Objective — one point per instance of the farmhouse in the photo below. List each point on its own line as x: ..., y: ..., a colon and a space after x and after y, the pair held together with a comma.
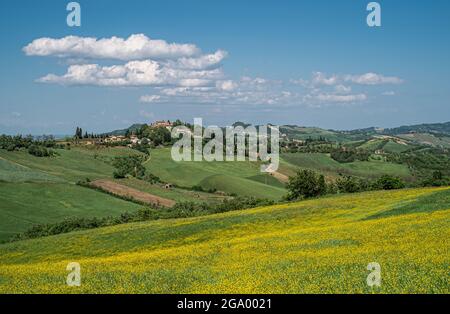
x: 167, y: 124
x: 114, y: 139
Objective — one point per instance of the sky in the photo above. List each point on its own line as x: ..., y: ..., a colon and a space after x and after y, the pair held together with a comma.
x: 310, y: 63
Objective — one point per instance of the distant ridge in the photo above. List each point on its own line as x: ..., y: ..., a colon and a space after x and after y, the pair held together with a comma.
x: 433, y: 131
x: 132, y: 128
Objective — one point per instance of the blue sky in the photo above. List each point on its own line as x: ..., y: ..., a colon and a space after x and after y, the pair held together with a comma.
x: 313, y: 63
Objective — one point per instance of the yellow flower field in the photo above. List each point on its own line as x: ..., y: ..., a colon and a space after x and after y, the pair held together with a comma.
x: 315, y: 246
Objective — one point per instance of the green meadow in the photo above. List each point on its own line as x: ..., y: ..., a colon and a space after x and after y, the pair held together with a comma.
x: 316, y: 246
x: 23, y: 205
x: 241, y: 178
x: 330, y: 167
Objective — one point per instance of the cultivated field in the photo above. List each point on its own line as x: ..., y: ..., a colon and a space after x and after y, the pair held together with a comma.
x: 176, y: 194
x: 315, y: 246
x: 128, y: 192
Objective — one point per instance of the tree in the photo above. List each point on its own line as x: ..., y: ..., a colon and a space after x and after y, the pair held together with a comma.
x: 306, y: 184
x: 130, y: 165
x: 388, y: 182
x: 158, y: 135
x: 348, y: 184
x: 78, y: 133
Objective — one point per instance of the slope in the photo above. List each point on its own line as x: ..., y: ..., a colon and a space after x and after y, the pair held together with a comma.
x: 313, y: 246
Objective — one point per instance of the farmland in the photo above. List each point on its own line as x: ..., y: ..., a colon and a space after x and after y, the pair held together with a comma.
x: 42, y: 190
x: 315, y: 246
x: 176, y: 194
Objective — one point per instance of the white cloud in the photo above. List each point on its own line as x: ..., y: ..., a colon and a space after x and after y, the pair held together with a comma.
x: 342, y: 89
x: 227, y: 85
x: 320, y: 78
x: 135, y: 47
x: 389, y: 93
x: 133, y: 73
x: 181, y: 73
x: 247, y: 91
x: 373, y: 79
x: 202, y: 62
x: 340, y: 98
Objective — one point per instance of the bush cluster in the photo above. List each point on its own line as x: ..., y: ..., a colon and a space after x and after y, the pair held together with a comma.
x: 180, y: 210
x: 308, y: 184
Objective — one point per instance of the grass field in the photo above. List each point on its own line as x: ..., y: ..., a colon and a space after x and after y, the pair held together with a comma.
x: 330, y: 167
x: 315, y: 246
x: 24, y: 204
x: 393, y: 147
x: 72, y: 165
x: 13, y: 172
x: 242, y: 178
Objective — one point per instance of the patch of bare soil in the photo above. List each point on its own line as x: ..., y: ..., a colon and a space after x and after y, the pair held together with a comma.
x: 125, y: 191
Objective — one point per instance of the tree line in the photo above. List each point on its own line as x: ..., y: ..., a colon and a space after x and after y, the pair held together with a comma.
x: 44, y: 147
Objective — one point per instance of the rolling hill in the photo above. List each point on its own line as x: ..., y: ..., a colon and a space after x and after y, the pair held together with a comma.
x: 37, y: 190
x: 315, y: 246
x: 241, y: 178
x: 323, y: 163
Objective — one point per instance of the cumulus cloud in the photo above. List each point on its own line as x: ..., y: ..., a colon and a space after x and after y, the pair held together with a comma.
x: 201, y: 62
x: 149, y: 62
x: 182, y: 73
x: 135, y: 47
x: 320, y: 78
x: 133, y: 73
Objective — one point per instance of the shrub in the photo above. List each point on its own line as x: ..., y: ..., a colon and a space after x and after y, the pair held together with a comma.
x: 348, y: 184
x: 183, y: 209
x: 40, y: 151
x: 436, y: 179
x: 306, y: 184
x: 128, y: 165
x: 387, y: 182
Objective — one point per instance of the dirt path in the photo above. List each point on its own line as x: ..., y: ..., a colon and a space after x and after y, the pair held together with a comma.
x: 126, y: 191
x: 280, y: 177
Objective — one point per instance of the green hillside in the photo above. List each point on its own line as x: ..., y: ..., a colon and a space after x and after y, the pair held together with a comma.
x: 324, y: 163
x: 23, y: 205
x: 71, y: 165
x: 315, y: 246
x: 230, y: 177
x: 303, y: 133
x: 13, y: 172
x: 393, y: 147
